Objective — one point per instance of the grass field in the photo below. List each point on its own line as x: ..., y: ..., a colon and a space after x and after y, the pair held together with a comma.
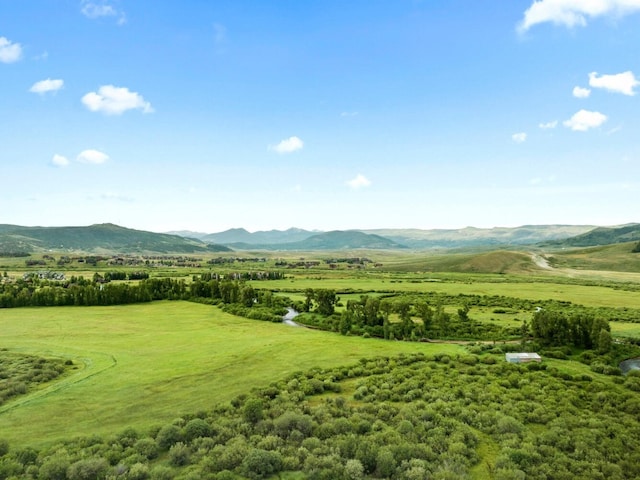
x: 144, y: 365
x: 593, y: 296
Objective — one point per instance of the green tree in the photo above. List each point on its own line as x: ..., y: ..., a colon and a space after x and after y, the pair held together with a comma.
x: 253, y: 410
x: 326, y: 300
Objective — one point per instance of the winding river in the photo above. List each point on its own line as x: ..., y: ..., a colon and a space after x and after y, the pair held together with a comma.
x: 288, y: 318
x: 631, y: 364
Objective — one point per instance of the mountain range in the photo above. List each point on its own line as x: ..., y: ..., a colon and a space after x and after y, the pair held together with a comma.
x: 104, y: 238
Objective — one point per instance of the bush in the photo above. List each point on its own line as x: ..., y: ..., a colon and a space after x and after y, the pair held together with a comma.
x: 196, y: 428
x: 179, y: 455
x: 88, y: 469
x: 138, y: 471
x: 168, y: 435
x: 4, y: 447
x: 261, y: 463
x: 147, y: 448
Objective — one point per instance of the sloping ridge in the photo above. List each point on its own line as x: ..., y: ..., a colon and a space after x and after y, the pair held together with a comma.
x: 334, y: 240
x: 106, y: 237
x: 602, y: 236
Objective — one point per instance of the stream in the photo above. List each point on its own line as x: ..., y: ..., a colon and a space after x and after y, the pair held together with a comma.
x: 288, y: 318
x: 628, y: 365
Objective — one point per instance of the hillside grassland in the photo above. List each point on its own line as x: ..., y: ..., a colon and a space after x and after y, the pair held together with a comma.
x: 143, y: 365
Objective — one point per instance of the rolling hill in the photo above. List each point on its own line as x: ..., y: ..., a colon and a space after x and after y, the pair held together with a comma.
x: 97, y: 238
x: 477, y: 237
x: 336, y: 240
x: 602, y: 236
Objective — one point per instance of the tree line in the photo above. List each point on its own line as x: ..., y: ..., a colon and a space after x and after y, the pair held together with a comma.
x: 80, y: 291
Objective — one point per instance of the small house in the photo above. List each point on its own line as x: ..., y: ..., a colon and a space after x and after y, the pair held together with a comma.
x: 522, y: 357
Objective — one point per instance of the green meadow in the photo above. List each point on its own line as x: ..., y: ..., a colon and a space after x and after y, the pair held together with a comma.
x: 145, y: 365
x: 517, y: 287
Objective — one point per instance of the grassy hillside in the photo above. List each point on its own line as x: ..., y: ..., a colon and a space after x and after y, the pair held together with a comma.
x: 474, y: 237
x: 499, y: 261
x: 97, y: 238
x: 602, y: 236
x: 618, y: 257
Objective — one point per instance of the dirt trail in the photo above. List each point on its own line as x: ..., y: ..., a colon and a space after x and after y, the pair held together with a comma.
x: 541, y: 262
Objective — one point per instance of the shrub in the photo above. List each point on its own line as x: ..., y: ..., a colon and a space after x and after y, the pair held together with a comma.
x: 196, y: 428
x: 4, y: 447
x: 138, y: 471
x: 168, y: 435
x: 54, y: 468
x: 179, y: 454
x: 88, y: 469
x: 147, y: 448
x: 261, y: 463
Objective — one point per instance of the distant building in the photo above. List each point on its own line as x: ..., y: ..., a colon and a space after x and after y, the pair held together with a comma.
x: 522, y: 357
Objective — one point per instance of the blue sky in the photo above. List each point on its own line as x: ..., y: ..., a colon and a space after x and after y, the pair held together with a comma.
x: 207, y: 115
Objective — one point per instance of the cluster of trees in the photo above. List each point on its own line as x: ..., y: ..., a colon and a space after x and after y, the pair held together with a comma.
x: 414, y: 317
x: 580, y: 329
x: 79, y: 291
x: 405, y: 418
x: 120, y: 275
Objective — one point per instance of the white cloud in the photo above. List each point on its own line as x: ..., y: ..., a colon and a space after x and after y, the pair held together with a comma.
x: 580, y: 92
x: 9, y: 51
x: 349, y: 114
x: 94, y: 157
x: 48, y: 85
x: 288, y: 145
x: 548, y: 125
x: 59, y: 161
x: 519, y: 137
x: 571, y: 13
x: 115, y: 101
x: 359, y: 181
x: 584, y: 120
x: 100, y: 9
x: 620, y: 83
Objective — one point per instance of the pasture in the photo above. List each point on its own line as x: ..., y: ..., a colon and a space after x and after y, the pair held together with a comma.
x: 520, y: 287
x: 145, y: 365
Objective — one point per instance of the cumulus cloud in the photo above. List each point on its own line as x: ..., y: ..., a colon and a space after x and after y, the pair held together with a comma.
x: 359, y: 181
x: 115, y: 101
x: 59, y: 161
x: 9, y: 51
x: 48, y: 85
x: 620, y: 83
x: 572, y: 13
x: 580, y: 92
x: 93, y: 10
x: 548, y: 125
x: 585, y: 120
x: 93, y: 157
x: 288, y: 145
x: 519, y: 137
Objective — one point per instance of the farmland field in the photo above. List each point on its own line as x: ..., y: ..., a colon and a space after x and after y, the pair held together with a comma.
x: 143, y: 365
